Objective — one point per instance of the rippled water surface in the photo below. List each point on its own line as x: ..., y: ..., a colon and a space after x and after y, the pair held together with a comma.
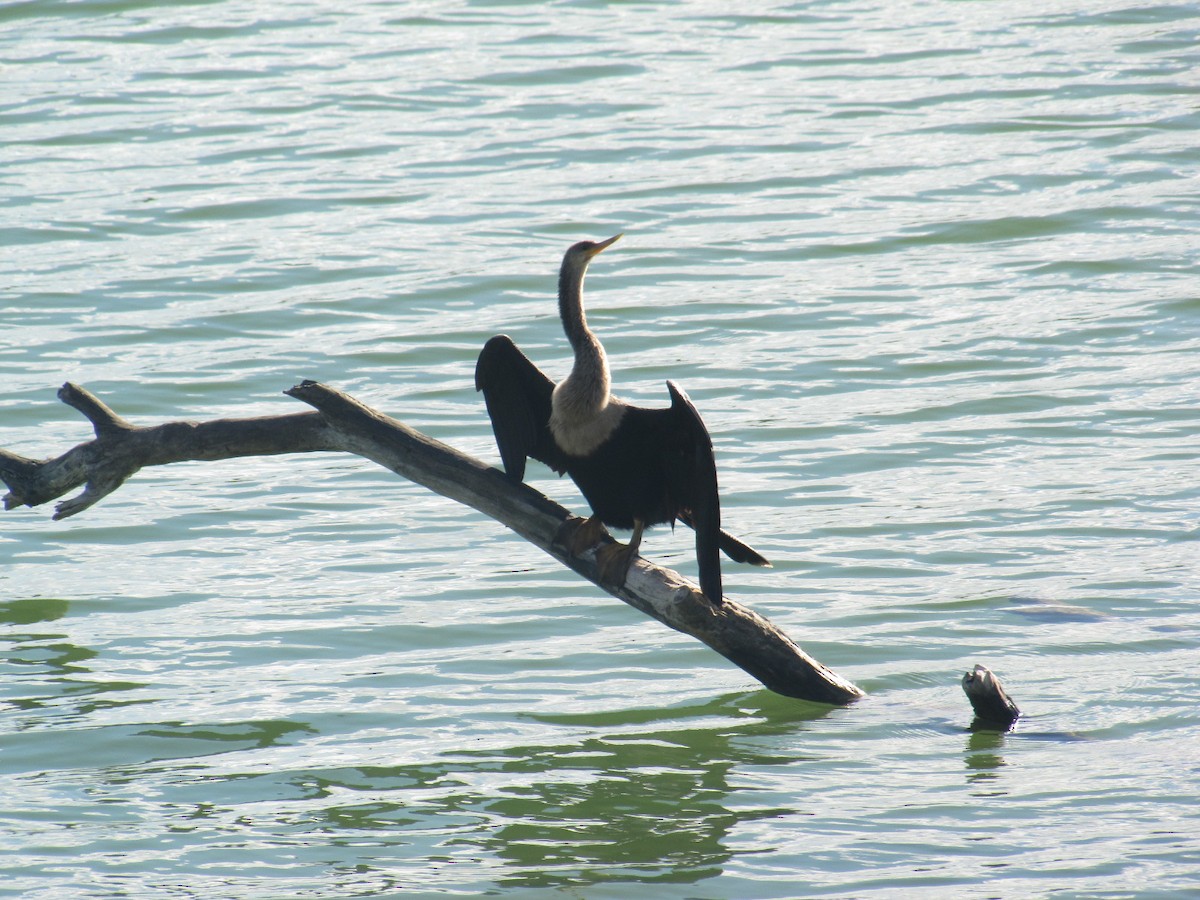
x: 930, y: 273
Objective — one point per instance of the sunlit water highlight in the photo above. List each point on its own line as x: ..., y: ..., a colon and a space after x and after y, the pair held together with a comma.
x: 929, y: 273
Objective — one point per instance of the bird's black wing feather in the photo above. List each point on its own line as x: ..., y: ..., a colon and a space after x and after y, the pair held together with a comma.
x: 518, y: 401
x: 694, y: 487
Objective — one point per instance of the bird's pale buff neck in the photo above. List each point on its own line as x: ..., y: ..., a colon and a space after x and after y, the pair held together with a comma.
x: 582, y: 413
x: 585, y: 392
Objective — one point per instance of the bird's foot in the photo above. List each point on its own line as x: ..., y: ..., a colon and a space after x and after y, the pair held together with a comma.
x: 579, y: 535
x: 613, y: 562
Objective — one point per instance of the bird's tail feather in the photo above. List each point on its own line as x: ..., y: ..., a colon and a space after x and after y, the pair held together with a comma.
x: 731, y: 546
x: 739, y: 552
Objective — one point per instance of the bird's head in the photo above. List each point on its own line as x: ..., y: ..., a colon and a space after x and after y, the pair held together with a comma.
x: 579, y: 255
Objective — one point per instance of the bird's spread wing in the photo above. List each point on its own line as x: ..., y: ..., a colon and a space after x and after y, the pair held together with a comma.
x: 518, y: 401
x: 694, y: 486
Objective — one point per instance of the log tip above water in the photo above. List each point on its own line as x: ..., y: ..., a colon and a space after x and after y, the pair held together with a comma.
x: 994, y: 709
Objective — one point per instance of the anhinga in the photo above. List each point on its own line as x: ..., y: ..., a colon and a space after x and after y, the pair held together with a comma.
x: 636, y: 467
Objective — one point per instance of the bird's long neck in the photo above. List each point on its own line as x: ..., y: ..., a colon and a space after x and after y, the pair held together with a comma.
x: 586, y: 390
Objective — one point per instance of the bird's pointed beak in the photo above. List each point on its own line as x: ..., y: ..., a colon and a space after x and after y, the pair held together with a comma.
x: 603, y: 245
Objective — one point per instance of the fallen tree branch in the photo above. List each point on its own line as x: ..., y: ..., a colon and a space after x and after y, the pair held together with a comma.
x: 342, y: 424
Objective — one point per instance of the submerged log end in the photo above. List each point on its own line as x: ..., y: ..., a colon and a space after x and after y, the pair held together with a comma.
x: 735, y: 631
x: 994, y: 709
x: 757, y: 646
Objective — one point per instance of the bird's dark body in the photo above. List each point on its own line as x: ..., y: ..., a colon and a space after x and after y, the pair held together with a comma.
x: 622, y: 481
x: 640, y: 472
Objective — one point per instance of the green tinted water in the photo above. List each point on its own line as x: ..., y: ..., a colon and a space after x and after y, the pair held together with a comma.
x: 930, y: 275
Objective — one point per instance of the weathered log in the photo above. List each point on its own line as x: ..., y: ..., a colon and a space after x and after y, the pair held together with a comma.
x: 994, y: 709
x: 342, y: 424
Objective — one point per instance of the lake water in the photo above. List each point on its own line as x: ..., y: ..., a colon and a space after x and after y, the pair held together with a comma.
x: 929, y: 272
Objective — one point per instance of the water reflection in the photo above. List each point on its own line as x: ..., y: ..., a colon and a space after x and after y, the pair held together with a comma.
x: 643, y: 795
x: 646, y: 795
x: 984, y: 760
x: 189, y: 740
x: 32, y: 610
x: 48, y: 672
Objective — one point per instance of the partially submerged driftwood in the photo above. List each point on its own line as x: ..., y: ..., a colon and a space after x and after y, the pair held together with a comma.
x: 994, y: 709
x: 340, y: 423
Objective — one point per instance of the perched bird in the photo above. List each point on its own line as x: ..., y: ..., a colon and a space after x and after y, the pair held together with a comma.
x: 636, y: 467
